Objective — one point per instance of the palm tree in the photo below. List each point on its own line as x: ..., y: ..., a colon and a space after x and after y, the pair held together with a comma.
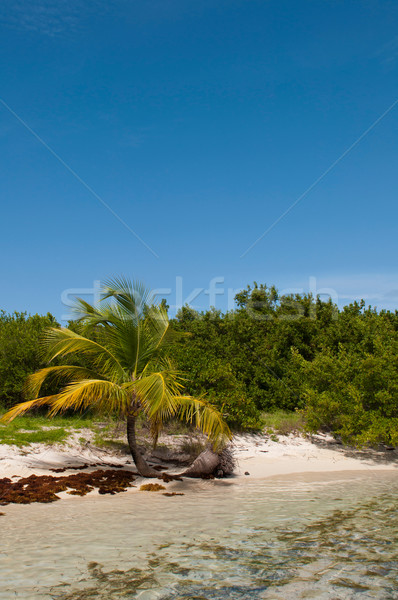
x: 122, y: 346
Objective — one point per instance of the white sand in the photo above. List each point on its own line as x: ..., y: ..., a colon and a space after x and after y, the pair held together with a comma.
x: 261, y: 457
x: 38, y: 459
x: 257, y: 455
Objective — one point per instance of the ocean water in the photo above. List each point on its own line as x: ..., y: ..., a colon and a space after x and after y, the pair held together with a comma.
x: 324, y: 536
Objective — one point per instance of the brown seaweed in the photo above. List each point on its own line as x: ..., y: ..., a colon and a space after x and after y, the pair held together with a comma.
x: 166, y: 477
x: 44, y: 488
x: 86, y: 466
x: 152, y: 487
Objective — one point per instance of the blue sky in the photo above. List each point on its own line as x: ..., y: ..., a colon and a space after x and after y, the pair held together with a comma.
x: 161, y: 139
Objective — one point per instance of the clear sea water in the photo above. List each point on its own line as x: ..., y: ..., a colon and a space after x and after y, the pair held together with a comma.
x: 324, y: 536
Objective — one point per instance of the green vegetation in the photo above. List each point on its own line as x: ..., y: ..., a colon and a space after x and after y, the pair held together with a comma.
x: 30, y: 429
x: 338, y: 368
x: 123, y: 371
x: 278, y: 363
x: 283, y: 423
x: 25, y: 438
x: 19, y: 357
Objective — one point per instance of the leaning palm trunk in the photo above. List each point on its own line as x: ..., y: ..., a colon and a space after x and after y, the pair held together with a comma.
x: 142, y: 466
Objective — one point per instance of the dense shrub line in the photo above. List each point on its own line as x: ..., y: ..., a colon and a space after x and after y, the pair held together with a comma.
x: 339, y: 367
x: 19, y: 352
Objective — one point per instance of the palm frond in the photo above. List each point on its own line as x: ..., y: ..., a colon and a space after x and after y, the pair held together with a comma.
x: 22, y: 407
x: 82, y: 310
x: 131, y: 297
x: 90, y: 317
x: 97, y: 393
x: 205, y: 417
x: 54, y: 375
x: 157, y: 393
x: 62, y: 342
x: 155, y: 336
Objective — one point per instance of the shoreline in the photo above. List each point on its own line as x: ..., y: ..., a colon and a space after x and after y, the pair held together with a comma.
x: 217, y: 527
x: 255, y: 454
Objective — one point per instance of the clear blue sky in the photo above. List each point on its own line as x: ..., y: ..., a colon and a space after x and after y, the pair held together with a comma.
x: 198, y: 123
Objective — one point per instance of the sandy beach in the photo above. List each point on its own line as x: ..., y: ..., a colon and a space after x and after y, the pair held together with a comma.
x: 257, y: 456
x: 262, y: 457
x: 291, y: 522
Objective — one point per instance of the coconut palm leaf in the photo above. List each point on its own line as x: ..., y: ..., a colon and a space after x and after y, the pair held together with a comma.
x: 132, y: 297
x: 55, y: 375
x: 205, y: 417
x: 105, y: 396
x: 23, y: 407
x: 62, y: 342
x: 158, y: 394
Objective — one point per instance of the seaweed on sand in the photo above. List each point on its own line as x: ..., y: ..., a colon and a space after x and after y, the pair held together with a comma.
x: 152, y: 487
x: 166, y: 477
x: 87, y: 466
x: 44, y: 488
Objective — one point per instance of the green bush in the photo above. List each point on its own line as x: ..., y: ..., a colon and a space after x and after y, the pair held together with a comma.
x: 353, y: 392
x: 294, y: 353
x: 19, y: 352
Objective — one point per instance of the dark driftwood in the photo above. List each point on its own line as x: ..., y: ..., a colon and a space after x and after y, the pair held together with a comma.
x: 210, y: 463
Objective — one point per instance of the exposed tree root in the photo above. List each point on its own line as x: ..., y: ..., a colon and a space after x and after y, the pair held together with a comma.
x: 211, y: 464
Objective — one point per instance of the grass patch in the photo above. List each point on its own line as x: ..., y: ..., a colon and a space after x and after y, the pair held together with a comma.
x: 57, y: 435
x: 283, y: 423
x: 107, y: 434
x: 31, y: 429
x: 118, y: 445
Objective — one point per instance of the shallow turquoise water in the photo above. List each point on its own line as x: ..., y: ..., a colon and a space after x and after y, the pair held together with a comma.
x: 323, y: 536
